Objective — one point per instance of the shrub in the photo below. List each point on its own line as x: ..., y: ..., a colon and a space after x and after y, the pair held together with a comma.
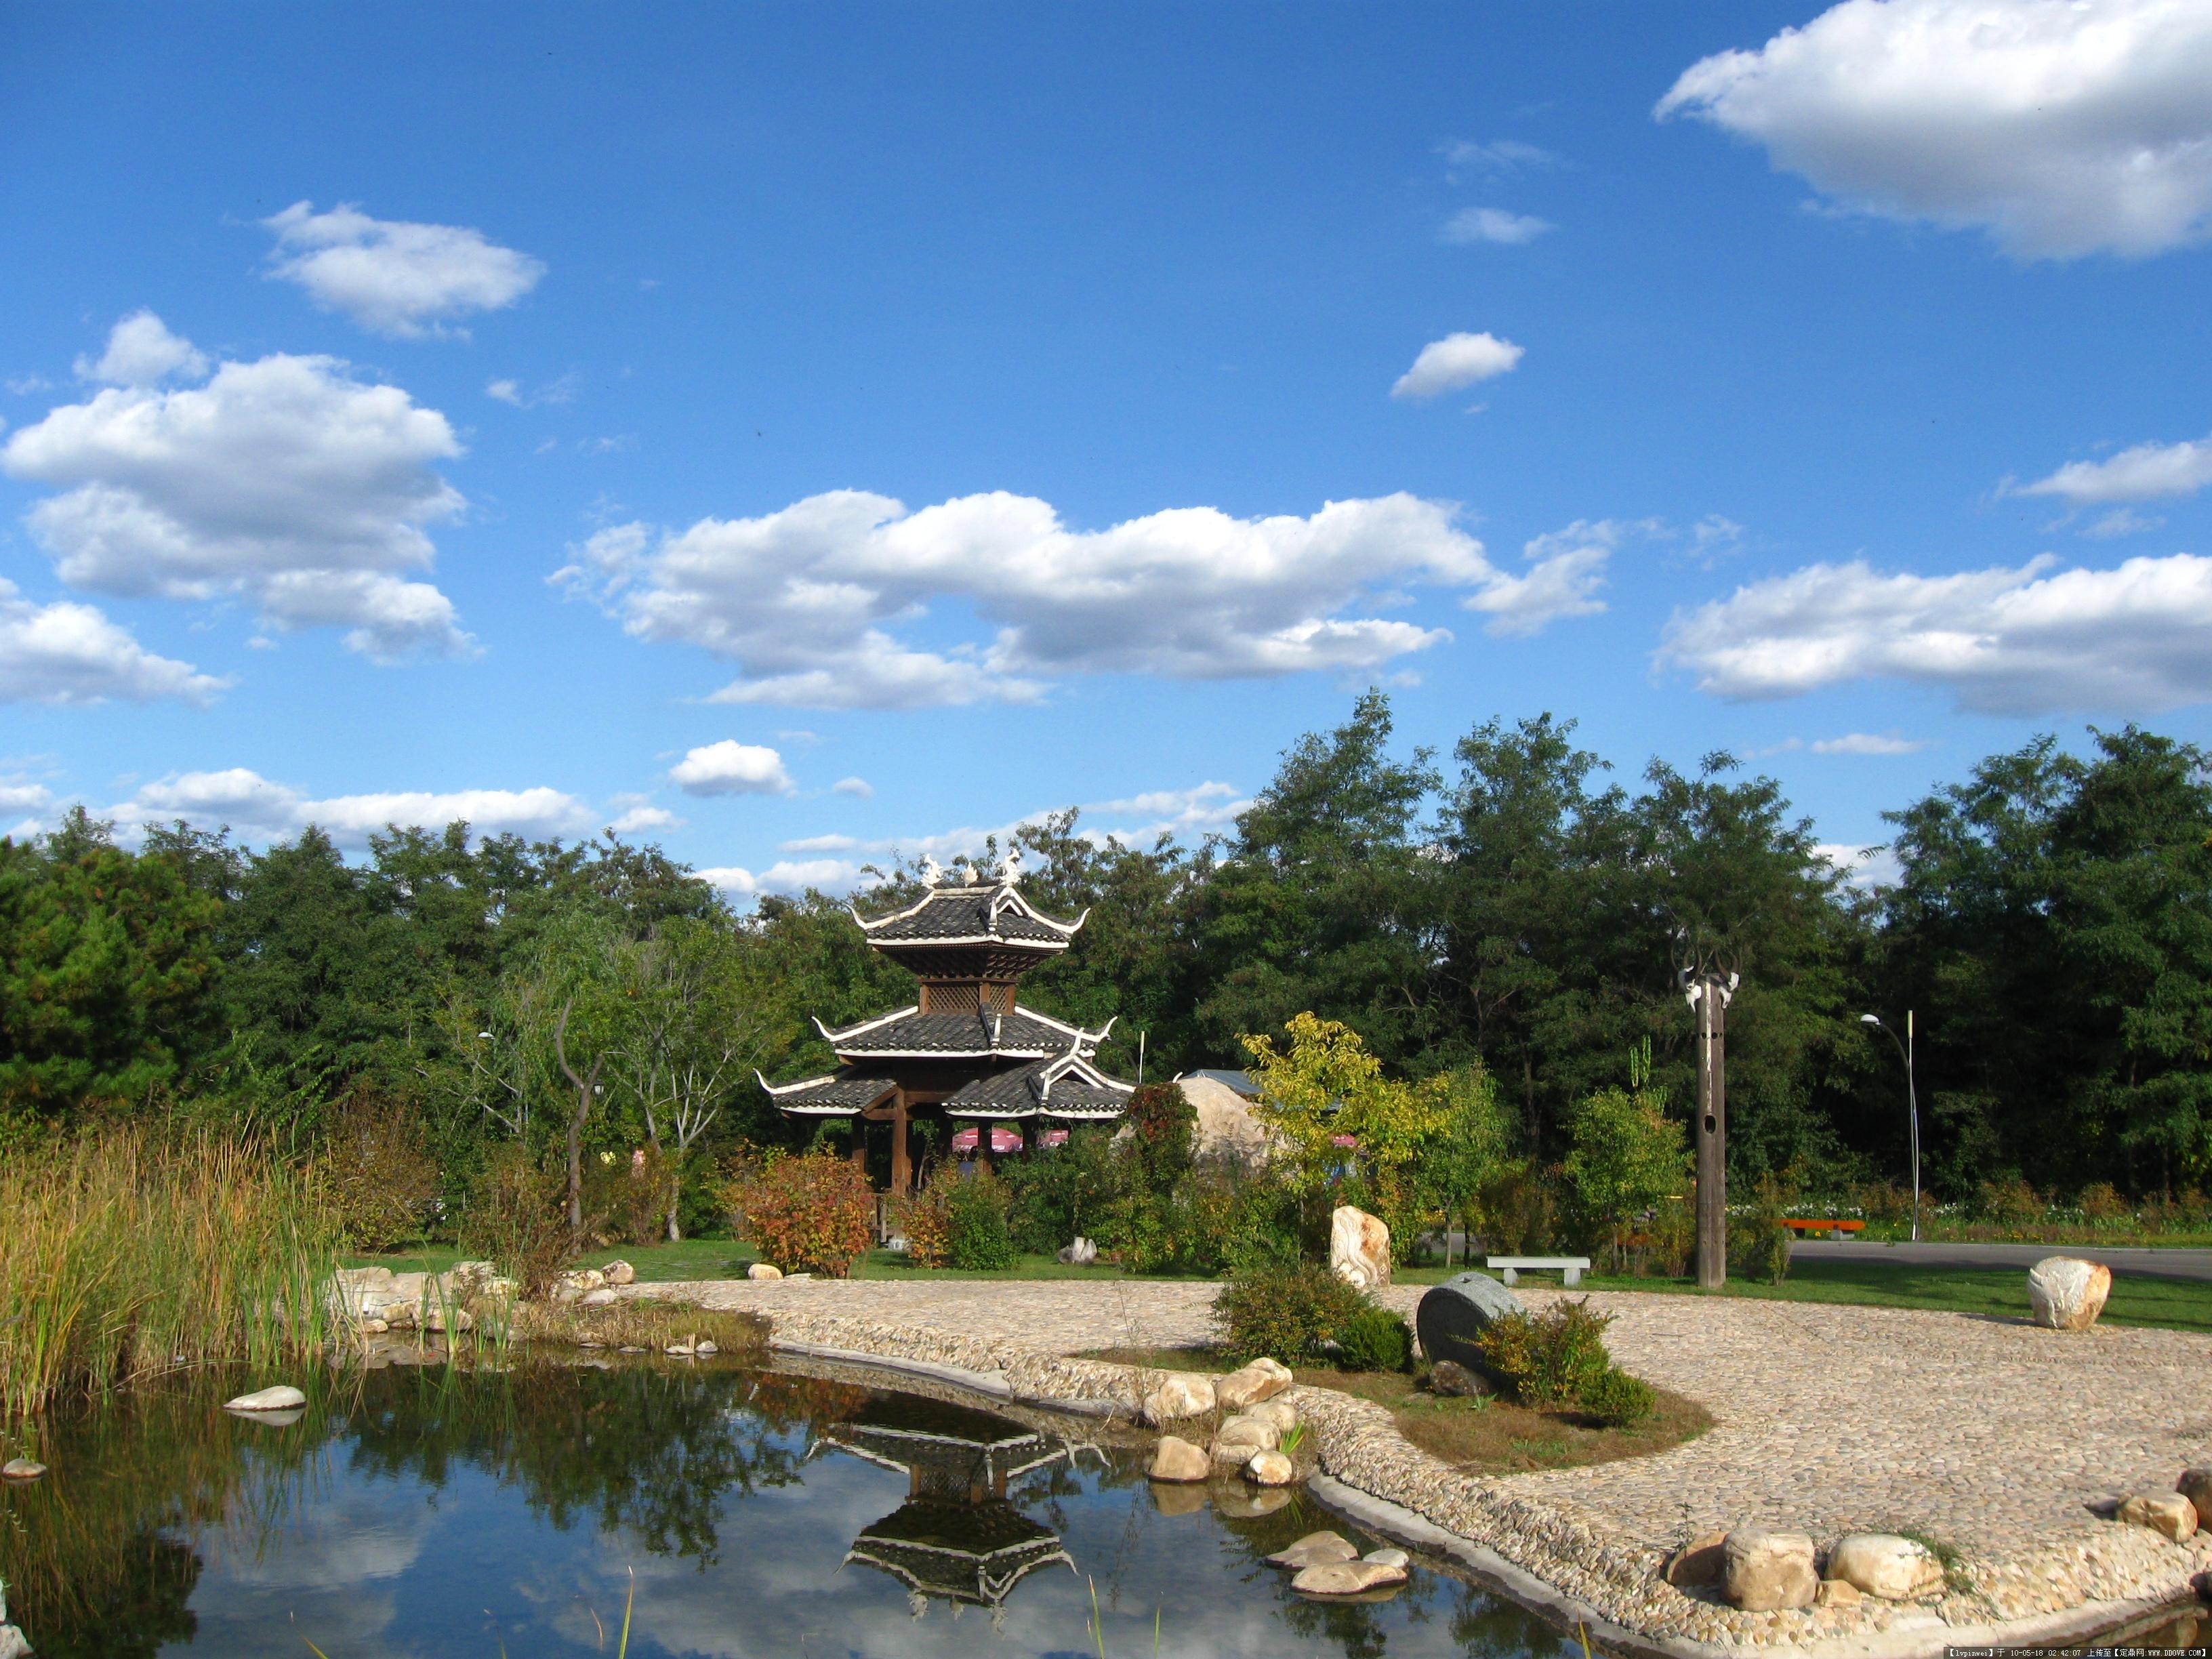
x: 1375, y: 1339
x: 926, y: 1219
x: 626, y: 1197
x: 517, y: 1216
x: 976, y: 1239
x: 1220, y: 1218
x: 2010, y: 1202
x: 2102, y: 1202
x: 1759, y: 1245
x: 1287, y: 1312
x: 1062, y: 1192
x: 381, y: 1181
x: 1549, y: 1359
x: 812, y: 1212
x: 1619, y: 1401
x: 1518, y: 1212
x: 1166, y: 1128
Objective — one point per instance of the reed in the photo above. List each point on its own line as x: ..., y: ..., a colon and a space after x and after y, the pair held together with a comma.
x: 123, y: 1256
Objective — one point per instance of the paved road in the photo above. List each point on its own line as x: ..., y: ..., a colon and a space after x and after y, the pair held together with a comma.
x: 2184, y: 1265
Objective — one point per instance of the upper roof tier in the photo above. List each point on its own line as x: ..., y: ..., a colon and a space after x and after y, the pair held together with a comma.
x: 970, y: 909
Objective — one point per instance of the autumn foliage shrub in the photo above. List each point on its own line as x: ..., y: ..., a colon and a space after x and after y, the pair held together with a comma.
x: 1558, y: 1357
x: 380, y: 1178
x: 813, y: 1213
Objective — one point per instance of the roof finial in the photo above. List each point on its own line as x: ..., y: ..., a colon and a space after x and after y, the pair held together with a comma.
x: 966, y: 871
x: 1009, y: 867
x: 932, y: 871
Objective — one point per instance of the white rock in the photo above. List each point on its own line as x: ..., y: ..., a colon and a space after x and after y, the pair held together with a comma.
x: 21, y: 1468
x: 1080, y: 1254
x: 282, y: 1397
x: 1388, y: 1558
x: 602, y: 1297
x: 1762, y: 1572
x: 1346, y: 1577
x: 2165, y: 1512
x: 620, y: 1273
x: 1358, y: 1248
x: 1281, y: 1412
x: 1270, y: 1468
x: 762, y: 1270
x: 1882, y: 1564
x: 1836, y: 1593
x: 1315, y: 1547
x: 2067, y: 1294
x: 1262, y: 1379
x: 1178, y: 1460
x: 683, y: 1346
x: 1235, y: 1441
x: 1180, y: 1394
x: 705, y: 1347
x: 13, y: 1643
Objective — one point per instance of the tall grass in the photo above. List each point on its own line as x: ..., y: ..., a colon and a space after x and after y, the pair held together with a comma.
x: 124, y: 1255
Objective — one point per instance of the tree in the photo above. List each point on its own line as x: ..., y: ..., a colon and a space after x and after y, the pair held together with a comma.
x: 1627, y: 1154
x: 1470, y: 1145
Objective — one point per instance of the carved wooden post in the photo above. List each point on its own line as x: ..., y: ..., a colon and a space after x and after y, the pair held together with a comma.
x: 1712, y: 995
x: 901, y: 1171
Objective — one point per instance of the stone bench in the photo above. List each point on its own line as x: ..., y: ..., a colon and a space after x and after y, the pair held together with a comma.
x: 1511, y: 1267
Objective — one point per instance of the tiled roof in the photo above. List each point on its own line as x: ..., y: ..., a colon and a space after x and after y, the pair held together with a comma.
x: 979, y: 913
x: 1067, y: 1087
x: 841, y: 1093
x: 910, y: 1032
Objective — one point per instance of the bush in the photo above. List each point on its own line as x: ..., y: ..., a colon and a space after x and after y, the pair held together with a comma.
x: 517, y: 1216
x: 1287, y: 1312
x: 1759, y: 1245
x: 813, y: 1213
x: 1551, y: 1358
x: 2010, y: 1202
x: 1619, y: 1401
x: 1375, y: 1339
x: 1220, y: 1218
x: 2103, y: 1203
x: 926, y: 1219
x: 976, y: 1239
x: 1062, y: 1192
x: 626, y: 1197
x: 1518, y: 1212
x: 1166, y: 1128
x: 382, y: 1182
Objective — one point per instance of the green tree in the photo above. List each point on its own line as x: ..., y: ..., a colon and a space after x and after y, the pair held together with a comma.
x: 1626, y: 1154
x: 1473, y: 1144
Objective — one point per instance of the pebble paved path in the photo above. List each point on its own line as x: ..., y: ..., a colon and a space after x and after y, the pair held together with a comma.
x: 1987, y: 1434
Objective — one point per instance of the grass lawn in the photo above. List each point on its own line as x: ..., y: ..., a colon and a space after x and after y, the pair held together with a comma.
x: 2001, y: 1291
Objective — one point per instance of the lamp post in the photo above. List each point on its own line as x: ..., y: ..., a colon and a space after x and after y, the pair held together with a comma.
x: 1912, y: 1102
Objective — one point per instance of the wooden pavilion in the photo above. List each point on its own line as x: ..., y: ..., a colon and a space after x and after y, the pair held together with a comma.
x: 965, y: 1050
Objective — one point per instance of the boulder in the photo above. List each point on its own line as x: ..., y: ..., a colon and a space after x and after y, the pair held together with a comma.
x: 466, y: 1278
x: 1389, y: 1557
x: 1180, y: 1394
x: 1882, y: 1564
x: 1270, y: 1468
x: 761, y: 1270
x: 375, y: 1327
x: 1262, y: 1379
x: 282, y: 1397
x: 447, y: 1316
x: 1453, y: 1314
x: 21, y: 1468
x: 1836, y: 1593
x: 1235, y: 1441
x: 2165, y: 1512
x: 684, y: 1346
x: 1450, y: 1380
x: 1346, y: 1577
x: 704, y: 1347
x: 602, y: 1297
x: 620, y: 1273
x: 1238, y: 1502
x: 1226, y: 1128
x: 1762, y: 1572
x: 1178, y: 1460
x: 1313, y: 1548
x: 1080, y: 1254
x: 14, y: 1644
x: 1358, y: 1248
x: 2067, y: 1294
x: 2196, y: 1484
x: 1700, y: 1561
x: 1283, y: 1414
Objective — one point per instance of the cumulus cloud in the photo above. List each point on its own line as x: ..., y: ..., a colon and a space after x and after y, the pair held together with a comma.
x: 1456, y: 360
x: 254, y: 805
x: 2030, y: 640
x: 731, y: 767
x: 1863, y: 867
x: 392, y: 277
x: 2062, y: 127
x: 1869, y: 743
x: 141, y: 351
x: 808, y: 600
x: 785, y: 876
x: 1498, y: 155
x: 72, y: 653
x: 2143, y: 473
x: 1566, y: 568
x: 1493, y: 225
x: 858, y: 787
x: 284, y: 482
x: 636, y: 819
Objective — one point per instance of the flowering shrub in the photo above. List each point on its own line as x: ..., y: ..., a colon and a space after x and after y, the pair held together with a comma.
x: 813, y: 1213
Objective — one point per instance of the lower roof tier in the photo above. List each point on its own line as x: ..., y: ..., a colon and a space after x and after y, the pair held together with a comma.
x: 1067, y: 1086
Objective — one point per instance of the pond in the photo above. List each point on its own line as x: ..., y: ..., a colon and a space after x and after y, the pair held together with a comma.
x: 436, y: 1511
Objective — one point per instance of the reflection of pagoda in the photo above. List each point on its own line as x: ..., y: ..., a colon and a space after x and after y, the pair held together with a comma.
x: 966, y: 1049
x: 956, y: 1537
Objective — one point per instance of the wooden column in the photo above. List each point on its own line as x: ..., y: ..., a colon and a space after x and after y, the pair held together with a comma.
x: 1712, y: 1133
x: 901, y: 1174
x: 860, y: 1142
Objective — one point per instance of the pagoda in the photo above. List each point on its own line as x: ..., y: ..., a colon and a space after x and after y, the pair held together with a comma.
x: 964, y: 1049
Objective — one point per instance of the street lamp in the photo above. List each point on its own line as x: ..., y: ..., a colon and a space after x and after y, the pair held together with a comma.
x: 1911, y: 1102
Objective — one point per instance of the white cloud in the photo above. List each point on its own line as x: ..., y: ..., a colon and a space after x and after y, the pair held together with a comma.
x: 1456, y: 360
x: 785, y: 876
x: 1566, y: 569
x: 284, y: 482
x: 71, y: 653
x: 253, y: 804
x: 2063, y: 127
x: 2034, y: 640
x: 507, y: 393
x: 1863, y: 867
x: 395, y: 277
x: 560, y: 391
x: 2140, y: 474
x: 731, y: 767
x: 1869, y: 743
x: 2120, y: 521
x: 1493, y: 225
x: 1498, y: 155
x: 643, y: 817
x: 24, y: 384
x: 858, y: 788
x: 806, y: 600
x: 25, y: 798
x: 141, y: 351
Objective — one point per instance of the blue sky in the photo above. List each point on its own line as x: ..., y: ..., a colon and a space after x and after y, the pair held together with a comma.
x: 792, y: 432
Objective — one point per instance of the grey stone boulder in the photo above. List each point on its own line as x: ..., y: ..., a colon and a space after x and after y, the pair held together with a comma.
x: 1453, y: 1314
x: 1313, y: 1549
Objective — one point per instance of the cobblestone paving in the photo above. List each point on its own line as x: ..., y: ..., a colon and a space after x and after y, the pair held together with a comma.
x: 1986, y: 1434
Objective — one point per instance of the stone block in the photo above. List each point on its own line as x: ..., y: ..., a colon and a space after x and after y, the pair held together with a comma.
x: 1453, y: 1314
x: 1765, y: 1571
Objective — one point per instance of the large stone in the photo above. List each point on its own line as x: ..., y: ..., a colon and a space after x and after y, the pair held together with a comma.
x: 1270, y: 1468
x: 620, y: 1273
x: 14, y: 1644
x: 1262, y: 1379
x: 1700, y: 1561
x: 21, y: 1468
x: 1283, y: 1414
x: 1346, y: 1577
x: 2067, y: 1294
x: 2196, y: 1484
x: 1180, y: 1394
x: 1313, y: 1548
x: 1225, y: 1130
x: 1082, y: 1253
x: 1178, y: 1460
x: 1358, y: 1248
x: 1763, y: 1571
x: 1235, y: 1441
x: 1882, y: 1563
x: 761, y: 1270
x: 1836, y: 1593
x: 282, y: 1397
x: 1449, y: 1379
x: 1453, y: 1314
x: 2165, y: 1512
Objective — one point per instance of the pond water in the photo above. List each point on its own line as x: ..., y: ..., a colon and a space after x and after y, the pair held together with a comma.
x: 433, y: 1512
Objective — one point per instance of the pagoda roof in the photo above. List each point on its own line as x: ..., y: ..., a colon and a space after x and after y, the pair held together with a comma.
x: 841, y: 1093
x: 970, y: 1553
x: 1067, y: 1086
x: 957, y: 1445
x: 907, y: 1033
x: 989, y: 911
